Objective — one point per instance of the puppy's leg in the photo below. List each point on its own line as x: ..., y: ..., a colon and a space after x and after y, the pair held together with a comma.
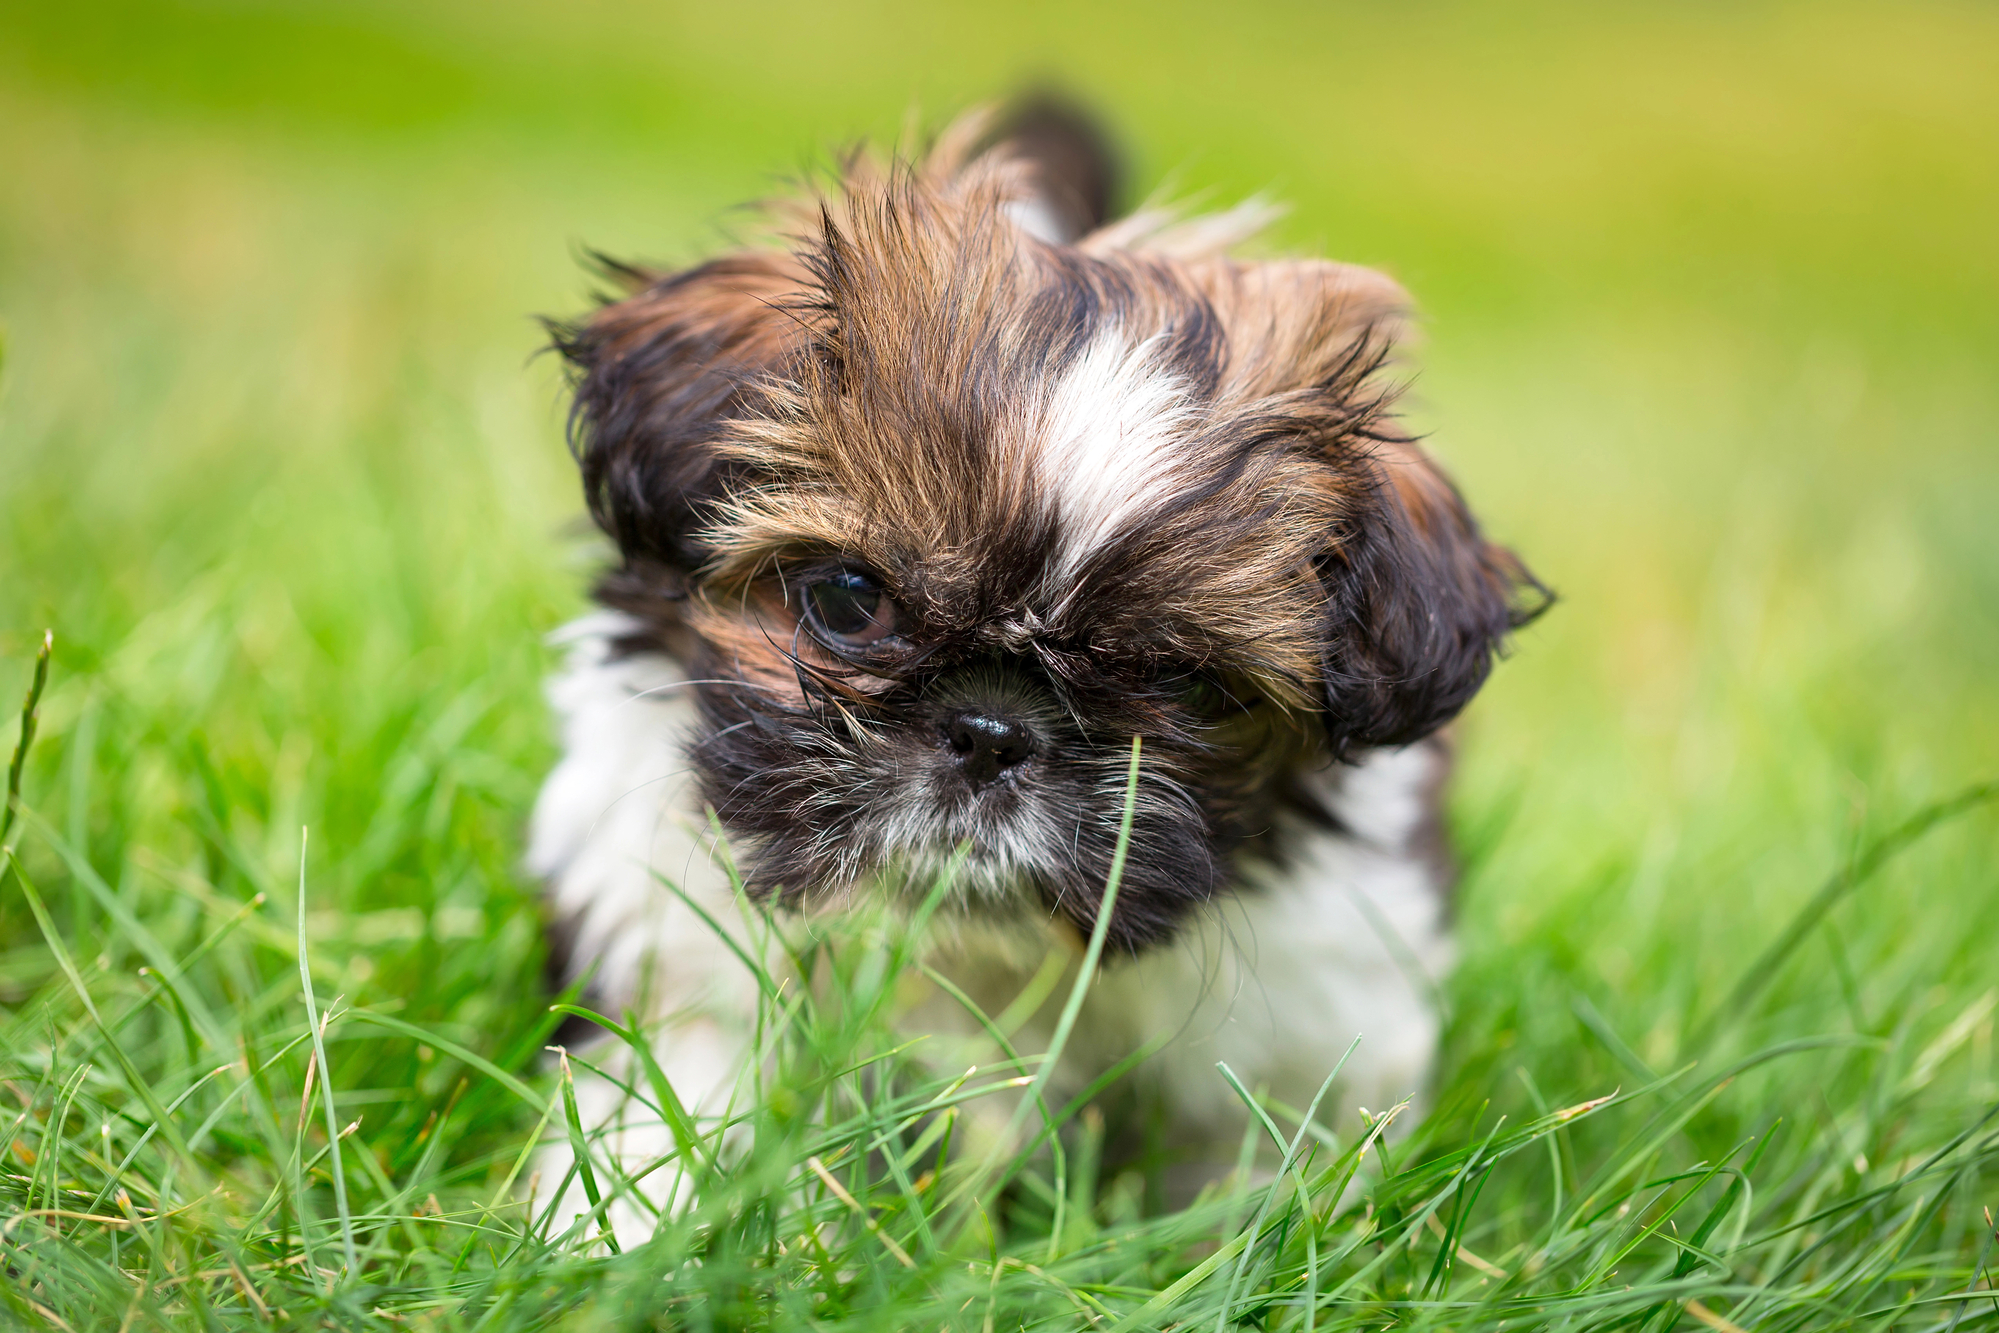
x: 621, y: 844
x: 634, y: 1154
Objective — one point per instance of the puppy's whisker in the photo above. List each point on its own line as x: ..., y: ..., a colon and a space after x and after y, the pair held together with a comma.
x: 631, y: 791
x: 649, y: 692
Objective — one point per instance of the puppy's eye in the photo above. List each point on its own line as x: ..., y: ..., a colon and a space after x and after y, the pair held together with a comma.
x: 1201, y: 693
x: 850, y: 608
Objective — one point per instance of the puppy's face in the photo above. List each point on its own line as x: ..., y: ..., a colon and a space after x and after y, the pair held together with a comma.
x: 943, y: 515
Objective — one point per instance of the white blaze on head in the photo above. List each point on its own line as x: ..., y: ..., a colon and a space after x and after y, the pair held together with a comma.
x: 1108, y: 440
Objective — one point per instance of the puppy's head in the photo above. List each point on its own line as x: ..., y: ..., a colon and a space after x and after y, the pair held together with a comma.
x: 956, y: 490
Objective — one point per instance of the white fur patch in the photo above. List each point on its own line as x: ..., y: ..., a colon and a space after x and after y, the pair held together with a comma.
x: 1384, y: 800
x: 619, y: 816
x: 1107, y: 441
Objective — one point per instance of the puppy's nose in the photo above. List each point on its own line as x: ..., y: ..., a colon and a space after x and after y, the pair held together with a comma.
x: 986, y: 743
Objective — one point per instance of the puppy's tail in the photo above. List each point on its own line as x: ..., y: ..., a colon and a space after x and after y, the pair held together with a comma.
x: 1077, y: 173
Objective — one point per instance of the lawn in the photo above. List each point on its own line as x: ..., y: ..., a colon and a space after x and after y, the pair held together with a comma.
x: 1712, y: 314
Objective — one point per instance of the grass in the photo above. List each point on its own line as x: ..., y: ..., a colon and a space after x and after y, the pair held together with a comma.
x: 1712, y: 311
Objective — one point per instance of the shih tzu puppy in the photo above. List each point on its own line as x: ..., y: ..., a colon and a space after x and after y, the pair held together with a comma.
x: 923, y: 511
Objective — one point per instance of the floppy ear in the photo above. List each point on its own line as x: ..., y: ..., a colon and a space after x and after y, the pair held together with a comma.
x: 656, y: 377
x: 1419, y: 603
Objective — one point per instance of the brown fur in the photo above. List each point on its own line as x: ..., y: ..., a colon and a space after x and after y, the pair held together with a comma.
x: 868, y: 392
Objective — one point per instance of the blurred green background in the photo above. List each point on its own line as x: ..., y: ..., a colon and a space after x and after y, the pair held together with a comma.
x: 1712, y: 307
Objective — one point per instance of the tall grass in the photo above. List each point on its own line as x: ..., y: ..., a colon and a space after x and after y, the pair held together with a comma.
x: 150, y: 1181
x: 1712, y: 316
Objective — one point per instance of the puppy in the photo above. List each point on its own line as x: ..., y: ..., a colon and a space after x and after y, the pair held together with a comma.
x: 923, y: 511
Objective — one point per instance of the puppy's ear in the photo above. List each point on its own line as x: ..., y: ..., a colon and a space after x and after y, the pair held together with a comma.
x: 656, y: 376
x: 1419, y: 603
x: 1074, y: 171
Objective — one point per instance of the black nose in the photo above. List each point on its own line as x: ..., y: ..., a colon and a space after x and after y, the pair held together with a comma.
x: 986, y: 743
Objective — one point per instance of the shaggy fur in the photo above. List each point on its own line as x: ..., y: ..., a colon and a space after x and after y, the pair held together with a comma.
x: 1091, y: 482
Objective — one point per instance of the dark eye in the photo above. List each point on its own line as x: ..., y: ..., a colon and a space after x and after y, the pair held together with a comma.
x: 1203, y: 694
x: 850, y: 608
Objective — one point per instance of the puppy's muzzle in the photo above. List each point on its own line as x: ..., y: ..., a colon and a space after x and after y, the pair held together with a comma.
x: 987, y: 741
x: 991, y: 721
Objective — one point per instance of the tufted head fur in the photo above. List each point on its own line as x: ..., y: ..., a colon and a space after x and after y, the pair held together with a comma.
x: 955, y: 487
